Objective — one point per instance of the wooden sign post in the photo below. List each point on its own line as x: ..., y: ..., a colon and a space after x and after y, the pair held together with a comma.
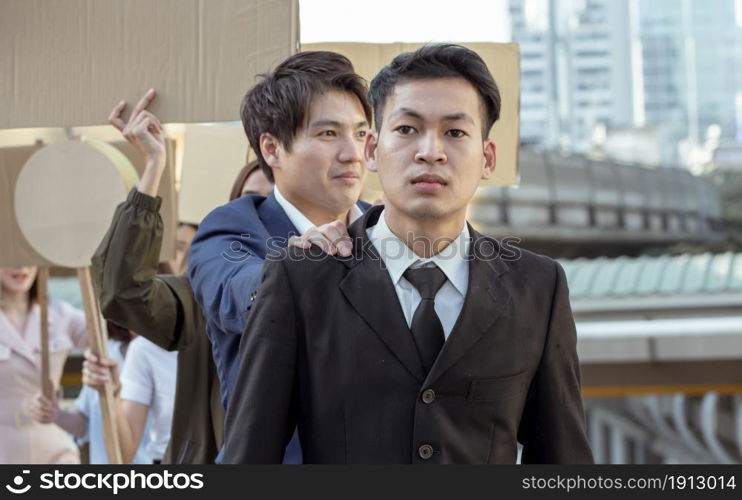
x: 42, y: 290
x: 98, y: 336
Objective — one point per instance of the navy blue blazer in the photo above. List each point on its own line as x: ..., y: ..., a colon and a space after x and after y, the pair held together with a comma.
x: 225, y: 266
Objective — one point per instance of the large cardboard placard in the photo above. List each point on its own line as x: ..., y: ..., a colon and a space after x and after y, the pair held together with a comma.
x: 503, y: 60
x: 16, y: 251
x: 66, y: 63
x: 212, y: 158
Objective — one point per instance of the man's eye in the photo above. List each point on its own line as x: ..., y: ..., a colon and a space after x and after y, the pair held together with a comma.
x: 405, y: 130
x: 456, y: 133
x: 327, y: 133
x: 362, y: 133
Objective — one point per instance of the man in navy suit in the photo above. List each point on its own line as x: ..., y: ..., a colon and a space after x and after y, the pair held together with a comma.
x: 307, y: 123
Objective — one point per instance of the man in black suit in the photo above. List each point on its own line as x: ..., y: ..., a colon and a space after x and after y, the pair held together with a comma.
x: 431, y: 343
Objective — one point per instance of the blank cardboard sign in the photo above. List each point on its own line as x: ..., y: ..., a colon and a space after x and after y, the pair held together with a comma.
x: 65, y: 197
x: 212, y: 157
x: 50, y: 135
x: 502, y: 59
x: 15, y: 250
x: 67, y: 63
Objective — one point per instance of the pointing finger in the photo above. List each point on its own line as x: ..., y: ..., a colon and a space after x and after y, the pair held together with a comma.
x: 144, y: 102
x: 115, y: 117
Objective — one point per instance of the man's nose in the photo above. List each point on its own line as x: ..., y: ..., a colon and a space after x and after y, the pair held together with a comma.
x: 431, y: 149
x: 351, y: 150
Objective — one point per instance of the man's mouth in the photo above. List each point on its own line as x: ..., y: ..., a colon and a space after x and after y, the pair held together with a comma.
x: 347, y: 177
x: 429, y: 179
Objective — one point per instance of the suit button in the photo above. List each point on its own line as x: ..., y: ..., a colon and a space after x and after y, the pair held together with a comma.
x: 428, y: 396
x: 425, y: 451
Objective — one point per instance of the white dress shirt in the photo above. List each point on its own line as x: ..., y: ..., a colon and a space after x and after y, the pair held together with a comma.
x: 88, y: 404
x: 148, y: 378
x: 398, y: 257
x: 300, y: 221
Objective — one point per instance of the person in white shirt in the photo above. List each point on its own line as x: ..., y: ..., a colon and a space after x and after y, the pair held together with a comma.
x: 85, y: 419
x: 145, y: 389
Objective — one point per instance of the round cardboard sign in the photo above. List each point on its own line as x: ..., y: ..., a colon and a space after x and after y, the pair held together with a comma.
x: 65, y: 197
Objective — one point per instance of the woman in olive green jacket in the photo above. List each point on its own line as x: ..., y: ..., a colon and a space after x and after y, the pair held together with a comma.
x: 159, y: 307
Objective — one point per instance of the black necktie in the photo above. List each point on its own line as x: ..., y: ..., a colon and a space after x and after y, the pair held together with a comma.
x: 426, y: 326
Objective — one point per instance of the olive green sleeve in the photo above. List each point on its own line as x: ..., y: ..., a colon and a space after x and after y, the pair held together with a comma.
x: 124, y: 269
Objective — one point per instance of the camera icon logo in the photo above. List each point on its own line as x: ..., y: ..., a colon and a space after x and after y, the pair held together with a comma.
x: 19, y: 489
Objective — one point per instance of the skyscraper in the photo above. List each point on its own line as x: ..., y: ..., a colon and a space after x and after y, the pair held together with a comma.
x: 674, y: 66
x: 692, y: 70
x: 577, y: 61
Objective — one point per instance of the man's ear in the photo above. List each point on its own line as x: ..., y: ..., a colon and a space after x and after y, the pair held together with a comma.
x: 490, y: 159
x: 270, y: 148
x: 369, y: 150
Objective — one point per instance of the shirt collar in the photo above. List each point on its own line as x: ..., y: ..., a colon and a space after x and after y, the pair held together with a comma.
x: 398, y: 257
x: 299, y: 220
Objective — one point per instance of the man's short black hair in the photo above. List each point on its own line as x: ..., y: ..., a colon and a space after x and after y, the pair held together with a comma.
x: 438, y: 61
x: 279, y: 103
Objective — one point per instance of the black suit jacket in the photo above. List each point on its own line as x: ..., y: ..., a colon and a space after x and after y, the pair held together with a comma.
x: 327, y: 348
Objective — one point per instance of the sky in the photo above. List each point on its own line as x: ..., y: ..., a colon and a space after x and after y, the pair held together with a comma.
x: 386, y: 21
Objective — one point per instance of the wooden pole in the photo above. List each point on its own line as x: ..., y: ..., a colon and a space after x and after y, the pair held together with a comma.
x: 98, y: 337
x: 42, y: 290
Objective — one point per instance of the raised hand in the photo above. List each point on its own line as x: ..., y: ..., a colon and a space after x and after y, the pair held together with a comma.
x: 143, y: 130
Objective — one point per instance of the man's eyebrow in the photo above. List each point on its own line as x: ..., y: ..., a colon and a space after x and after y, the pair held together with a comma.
x: 452, y: 117
x: 326, y: 123
x: 336, y: 124
x: 459, y: 116
x: 409, y: 112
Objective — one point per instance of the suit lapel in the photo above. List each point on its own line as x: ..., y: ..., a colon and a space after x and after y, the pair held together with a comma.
x: 275, y: 220
x: 486, y: 299
x: 277, y: 223
x: 370, y: 291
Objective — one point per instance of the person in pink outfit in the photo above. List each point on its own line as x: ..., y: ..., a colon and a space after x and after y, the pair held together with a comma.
x: 25, y: 441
